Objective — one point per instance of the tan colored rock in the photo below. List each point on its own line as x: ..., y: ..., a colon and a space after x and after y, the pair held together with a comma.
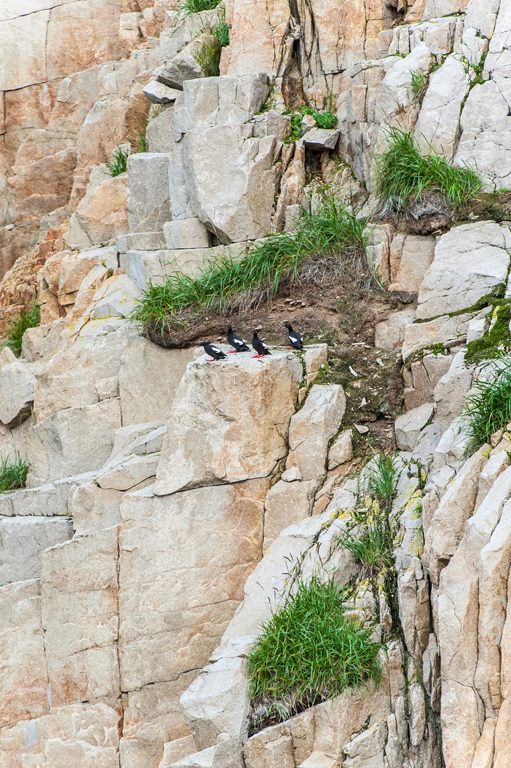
x: 470, y: 261
x: 410, y: 257
x: 448, y: 523
x: 17, y: 386
x: 80, y: 618
x: 161, y: 544
x: 438, y: 331
x: 341, y: 450
x: 494, y: 467
x: 312, y: 428
x: 101, y: 215
x: 426, y: 373
x: 460, y: 724
x: 408, y: 426
x: 94, y: 509
x: 502, y: 731
x: 256, y: 38
x: 25, y: 39
x: 116, y: 297
x: 133, y: 472
x: 149, y: 378
x: 483, y: 755
x: 40, y: 343
x: 72, y: 441
x: 256, y: 399
x: 451, y: 390
x: 22, y: 541
x: 286, y: 503
x: 23, y: 675
x: 70, y: 377
x: 390, y: 334
x: 175, y: 750
x: 84, y: 735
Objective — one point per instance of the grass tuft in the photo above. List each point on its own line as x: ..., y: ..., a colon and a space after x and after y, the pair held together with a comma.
x: 221, y: 32
x: 30, y: 318
x: 13, y: 474
x: 309, y: 651
x: 323, y: 120
x: 403, y: 174
x: 197, y: 6
x: 208, y: 56
x: 488, y: 407
x: 330, y: 232
x: 419, y: 84
x: 118, y: 161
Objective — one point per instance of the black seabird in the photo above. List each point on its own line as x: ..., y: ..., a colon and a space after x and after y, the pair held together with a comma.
x: 295, y: 339
x: 210, y: 349
x: 259, y: 346
x: 235, y: 341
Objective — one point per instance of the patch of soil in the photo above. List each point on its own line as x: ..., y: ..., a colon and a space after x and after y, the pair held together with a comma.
x: 340, y: 312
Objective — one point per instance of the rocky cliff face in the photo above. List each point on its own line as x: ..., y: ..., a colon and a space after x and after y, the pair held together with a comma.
x: 168, y: 499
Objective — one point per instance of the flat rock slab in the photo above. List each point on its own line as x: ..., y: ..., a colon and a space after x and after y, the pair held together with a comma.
x: 470, y: 261
x: 22, y: 541
x: 229, y: 420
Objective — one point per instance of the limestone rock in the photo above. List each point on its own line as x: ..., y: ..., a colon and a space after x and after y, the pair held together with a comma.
x: 470, y: 261
x: 149, y: 378
x: 185, y: 233
x: 175, y: 750
x: 426, y: 373
x: 183, y: 620
x: 341, y: 451
x: 390, y: 334
x: 441, y: 330
x: 185, y: 65
x: 410, y: 257
x: 200, y: 449
x: 115, y: 298
x: 148, y: 202
x: 312, y: 427
x: 286, y: 503
x: 72, y: 441
x: 80, y: 618
x: 321, y: 139
x: 138, y: 439
x: 23, y: 675
x: 94, y: 509
x: 17, y: 387
x: 409, y: 425
x: 22, y: 541
x: 40, y: 343
x: 159, y: 93
x: 451, y: 390
x: 133, y: 472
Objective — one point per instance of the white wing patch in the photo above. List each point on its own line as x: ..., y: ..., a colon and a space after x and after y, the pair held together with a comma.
x: 215, y: 349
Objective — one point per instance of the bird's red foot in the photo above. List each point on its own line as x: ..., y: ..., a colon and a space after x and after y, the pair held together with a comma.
x: 233, y: 352
x: 255, y: 356
x: 289, y: 347
x: 210, y: 361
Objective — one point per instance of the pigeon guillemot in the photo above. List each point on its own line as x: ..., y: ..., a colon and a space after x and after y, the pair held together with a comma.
x: 210, y: 349
x: 235, y: 341
x: 259, y: 346
x: 295, y: 339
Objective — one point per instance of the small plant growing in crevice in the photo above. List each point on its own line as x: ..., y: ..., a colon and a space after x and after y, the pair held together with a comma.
x: 197, y: 6
x: 13, y: 472
x: 208, y: 55
x: 419, y: 84
x: 309, y: 651
x: 323, y: 120
x: 488, y: 407
x: 29, y: 318
x: 497, y: 341
x: 403, y: 174
x: 118, y: 161
x: 221, y: 32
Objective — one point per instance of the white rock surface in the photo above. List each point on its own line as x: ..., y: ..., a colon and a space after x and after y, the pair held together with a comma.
x: 409, y: 425
x: 22, y: 542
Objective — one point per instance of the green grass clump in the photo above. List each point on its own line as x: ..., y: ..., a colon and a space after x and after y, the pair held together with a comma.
x: 221, y: 32
x: 208, y: 57
x: 118, y: 161
x: 403, y: 174
x: 323, y: 120
x: 197, y: 6
x: 488, y: 408
x: 30, y: 318
x: 13, y: 474
x: 331, y: 231
x: 419, y: 84
x: 310, y: 651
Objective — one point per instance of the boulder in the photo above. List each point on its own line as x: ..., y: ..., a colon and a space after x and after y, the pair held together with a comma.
x: 185, y: 233
x: 285, y: 504
x: 72, y: 441
x: 341, y: 450
x: 133, y: 472
x: 256, y: 400
x: 312, y: 428
x: 185, y: 65
x: 149, y: 378
x: 186, y: 585
x: 408, y: 426
x: 451, y: 390
x: 436, y: 8
x: 410, y: 257
x: 390, y: 334
x: 426, y: 373
x: 22, y: 541
x: 17, y: 387
x: 41, y: 343
x: 321, y: 139
x: 148, y: 202
x: 159, y: 93
x: 80, y: 618
x: 449, y: 331
x: 470, y: 261
x: 138, y: 439
x: 438, y: 124
x: 115, y: 298
x: 23, y: 674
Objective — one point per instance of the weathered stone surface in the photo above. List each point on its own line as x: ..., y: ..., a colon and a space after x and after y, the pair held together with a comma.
x: 494, y: 467
x: 115, y: 298
x: 341, y: 451
x: 159, y: 93
x: 40, y: 343
x: 451, y: 390
x: 448, y: 523
x: 81, y: 734
x: 426, y: 373
x: 70, y: 377
x: 321, y: 139
x: 390, y: 334
x: 138, y: 439
x: 185, y: 585
x: 409, y: 425
x: 23, y: 675
x: 185, y: 233
x: 226, y: 754
x: 72, y: 441
x: 312, y: 428
x: 148, y: 202
x: 201, y: 449
x: 149, y: 378
x: 271, y: 123
x: 286, y: 503
x: 94, y: 509
x: 470, y: 261
x: 436, y: 8
x: 438, y: 124
x: 101, y: 214
x: 22, y: 541
x: 17, y: 387
x: 441, y: 330
x: 185, y: 65
x: 133, y: 472
x: 80, y: 618
x: 410, y: 257
x: 176, y: 750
